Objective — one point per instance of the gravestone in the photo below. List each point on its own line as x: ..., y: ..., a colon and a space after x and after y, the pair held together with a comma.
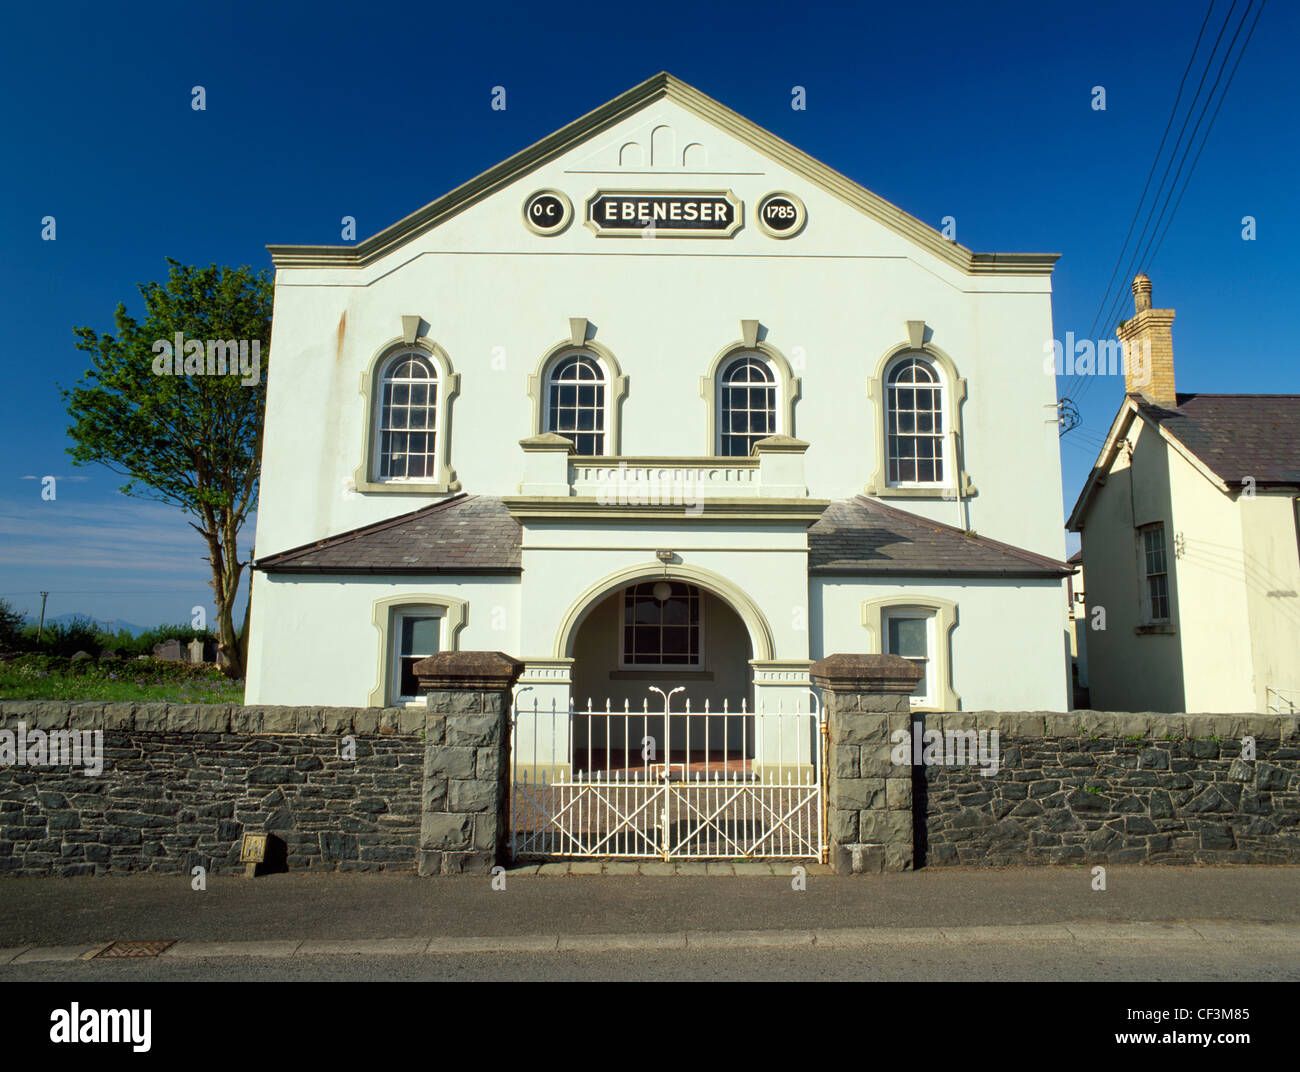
x: 170, y: 650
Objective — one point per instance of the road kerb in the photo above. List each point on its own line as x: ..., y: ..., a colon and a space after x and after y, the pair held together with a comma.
x: 53, y: 954
x: 198, y: 950
x: 848, y: 937
x: 314, y: 947
x: 507, y: 943
x: 1128, y: 932
x: 616, y: 942
x: 746, y: 939
x: 1248, y: 932
x: 1020, y: 932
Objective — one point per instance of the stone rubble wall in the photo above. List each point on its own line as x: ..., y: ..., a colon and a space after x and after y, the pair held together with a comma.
x: 1091, y: 787
x: 428, y: 788
x: 181, y: 785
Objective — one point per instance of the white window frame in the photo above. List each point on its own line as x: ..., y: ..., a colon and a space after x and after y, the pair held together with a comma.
x: 366, y: 478
x: 668, y: 668
x: 395, y: 655
x: 1148, y: 604
x: 607, y: 408
x: 944, y: 439
x: 377, y: 417
x: 931, y: 653
x: 776, y: 383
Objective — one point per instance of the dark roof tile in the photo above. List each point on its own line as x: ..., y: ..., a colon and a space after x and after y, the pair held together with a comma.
x: 463, y: 534
x: 865, y: 536
x: 1237, y: 436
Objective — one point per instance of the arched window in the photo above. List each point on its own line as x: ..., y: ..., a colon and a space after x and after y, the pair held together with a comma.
x: 915, y: 427
x: 746, y: 406
x: 661, y: 625
x: 576, y: 391
x: 408, y: 418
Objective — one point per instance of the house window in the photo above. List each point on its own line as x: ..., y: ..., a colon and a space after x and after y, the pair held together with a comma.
x: 910, y: 634
x: 746, y: 406
x: 1155, y: 572
x: 915, y: 426
x: 661, y: 631
x: 408, y: 419
x: 416, y: 636
x: 575, y: 403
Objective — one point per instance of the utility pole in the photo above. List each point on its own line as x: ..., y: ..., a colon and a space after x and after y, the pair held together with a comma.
x: 40, y: 628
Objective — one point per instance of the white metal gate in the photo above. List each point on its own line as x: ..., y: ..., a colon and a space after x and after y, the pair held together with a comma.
x: 667, y: 785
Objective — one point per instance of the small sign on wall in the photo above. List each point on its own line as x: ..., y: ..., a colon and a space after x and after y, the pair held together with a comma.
x: 252, y: 852
x: 673, y: 214
x: 547, y: 212
x: 781, y: 215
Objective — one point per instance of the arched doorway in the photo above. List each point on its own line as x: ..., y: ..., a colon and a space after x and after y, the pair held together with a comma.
x: 663, y: 641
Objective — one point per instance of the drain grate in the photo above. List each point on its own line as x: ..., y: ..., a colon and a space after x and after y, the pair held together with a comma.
x: 133, y: 949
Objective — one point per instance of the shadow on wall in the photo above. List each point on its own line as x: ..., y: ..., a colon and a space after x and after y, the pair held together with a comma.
x: 276, y: 860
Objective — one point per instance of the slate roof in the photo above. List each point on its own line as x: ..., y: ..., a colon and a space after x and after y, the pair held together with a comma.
x: 475, y: 534
x: 1237, y: 436
x: 864, y: 536
x: 463, y: 534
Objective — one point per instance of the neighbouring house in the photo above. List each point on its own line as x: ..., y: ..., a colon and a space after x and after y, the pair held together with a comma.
x: 1189, y: 530
x: 1078, y: 616
x: 661, y: 401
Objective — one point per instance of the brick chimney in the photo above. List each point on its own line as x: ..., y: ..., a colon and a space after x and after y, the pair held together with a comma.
x: 1149, y: 348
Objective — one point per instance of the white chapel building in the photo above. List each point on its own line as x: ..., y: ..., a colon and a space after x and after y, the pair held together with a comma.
x: 660, y: 401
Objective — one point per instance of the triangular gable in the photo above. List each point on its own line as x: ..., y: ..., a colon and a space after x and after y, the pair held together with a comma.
x: 663, y: 86
x: 1130, y: 410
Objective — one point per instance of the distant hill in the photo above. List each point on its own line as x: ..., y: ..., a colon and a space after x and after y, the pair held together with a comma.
x: 109, y: 625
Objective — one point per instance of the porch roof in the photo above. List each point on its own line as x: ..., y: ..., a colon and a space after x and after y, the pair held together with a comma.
x: 463, y: 534
x: 477, y: 534
x: 864, y: 536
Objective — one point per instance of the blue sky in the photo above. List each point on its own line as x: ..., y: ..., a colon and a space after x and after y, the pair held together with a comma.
x: 981, y: 112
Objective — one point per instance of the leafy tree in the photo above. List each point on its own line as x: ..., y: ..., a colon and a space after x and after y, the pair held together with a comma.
x: 76, y: 634
x: 11, y: 627
x: 193, y: 441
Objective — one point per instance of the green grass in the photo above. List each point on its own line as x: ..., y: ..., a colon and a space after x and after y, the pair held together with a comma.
x: 54, y: 677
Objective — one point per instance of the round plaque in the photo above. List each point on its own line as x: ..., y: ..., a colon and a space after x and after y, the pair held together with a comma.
x: 547, y: 212
x: 781, y: 214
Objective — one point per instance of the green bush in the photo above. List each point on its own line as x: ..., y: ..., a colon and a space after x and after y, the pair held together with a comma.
x: 84, y: 634
x: 11, y: 627
x: 70, y: 637
x: 38, y: 676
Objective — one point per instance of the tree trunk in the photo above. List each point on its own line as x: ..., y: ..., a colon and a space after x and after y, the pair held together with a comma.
x: 243, y: 629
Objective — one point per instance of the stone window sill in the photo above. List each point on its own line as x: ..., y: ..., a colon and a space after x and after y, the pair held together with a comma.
x: 948, y: 493
x: 404, y: 488
x: 1155, y: 629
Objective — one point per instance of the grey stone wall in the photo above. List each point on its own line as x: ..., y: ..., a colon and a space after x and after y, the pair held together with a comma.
x: 428, y: 788
x: 181, y: 784
x: 869, y: 798
x: 466, y: 792
x: 1091, y: 787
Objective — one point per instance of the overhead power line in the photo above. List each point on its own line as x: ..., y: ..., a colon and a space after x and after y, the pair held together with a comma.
x: 1143, y: 258
x: 1157, y: 224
